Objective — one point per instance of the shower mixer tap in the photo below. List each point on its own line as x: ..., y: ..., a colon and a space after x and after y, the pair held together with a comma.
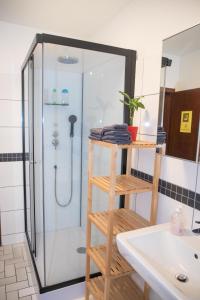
x: 55, y: 134
x: 55, y: 143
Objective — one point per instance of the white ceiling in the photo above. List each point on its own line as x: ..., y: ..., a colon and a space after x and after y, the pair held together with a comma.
x: 183, y: 43
x: 74, y: 18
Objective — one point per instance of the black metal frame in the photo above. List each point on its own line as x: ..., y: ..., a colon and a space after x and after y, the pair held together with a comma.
x: 130, y: 63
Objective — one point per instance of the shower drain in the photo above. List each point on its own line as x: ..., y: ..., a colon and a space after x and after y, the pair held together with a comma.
x: 181, y: 277
x: 81, y: 250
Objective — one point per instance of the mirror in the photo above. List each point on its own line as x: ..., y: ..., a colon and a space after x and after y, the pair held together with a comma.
x: 179, y: 107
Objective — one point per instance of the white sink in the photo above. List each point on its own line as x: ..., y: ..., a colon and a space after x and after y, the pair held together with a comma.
x: 158, y: 256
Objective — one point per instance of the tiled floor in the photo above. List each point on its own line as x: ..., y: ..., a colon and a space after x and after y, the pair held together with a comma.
x: 17, y: 278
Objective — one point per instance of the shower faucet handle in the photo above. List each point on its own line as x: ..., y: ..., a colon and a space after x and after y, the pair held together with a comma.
x: 55, y: 134
x: 55, y: 143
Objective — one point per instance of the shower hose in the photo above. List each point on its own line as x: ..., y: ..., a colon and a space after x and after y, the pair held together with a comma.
x: 71, y: 185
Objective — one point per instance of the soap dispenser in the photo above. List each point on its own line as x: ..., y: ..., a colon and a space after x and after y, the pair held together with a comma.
x: 178, y: 222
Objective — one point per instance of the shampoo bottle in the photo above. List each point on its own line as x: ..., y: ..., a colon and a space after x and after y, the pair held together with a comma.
x: 65, y: 96
x: 54, y: 96
x: 178, y: 221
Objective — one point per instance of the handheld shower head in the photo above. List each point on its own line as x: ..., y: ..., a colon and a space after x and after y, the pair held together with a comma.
x: 72, y: 119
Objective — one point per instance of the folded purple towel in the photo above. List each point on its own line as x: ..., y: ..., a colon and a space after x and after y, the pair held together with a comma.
x: 93, y: 137
x: 119, y: 127
x: 97, y: 131
x: 117, y: 133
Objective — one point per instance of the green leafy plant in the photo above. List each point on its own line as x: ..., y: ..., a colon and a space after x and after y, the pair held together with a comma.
x: 133, y: 104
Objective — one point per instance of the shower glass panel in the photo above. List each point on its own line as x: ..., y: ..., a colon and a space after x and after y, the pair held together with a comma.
x: 39, y: 215
x: 26, y: 150
x: 84, y: 85
x: 33, y: 166
x: 66, y: 91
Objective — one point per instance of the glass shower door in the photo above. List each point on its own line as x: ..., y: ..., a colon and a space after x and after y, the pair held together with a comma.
x: 32, y: 103
x: 31, y: 151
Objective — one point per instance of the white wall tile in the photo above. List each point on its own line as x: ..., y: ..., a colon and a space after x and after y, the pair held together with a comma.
x: 139, y: 75
x: 179, y: 171
x: 135, y: 157
x: 10, y: 113
x: 167, y: 206
x: 11, y: 174
x: 151, y: 74
x: 146, y: 156
x: 11, y: 198
x: 149, y: 115
x: 13, y: 238
x: 11, y: 140
x: 143, y: 205
x: 198, y: 180
x: 10, y: 86
x: 12, y: 222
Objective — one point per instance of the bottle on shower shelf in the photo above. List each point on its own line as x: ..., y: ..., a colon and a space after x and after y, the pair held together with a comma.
x: 65, y: 96
x: 54, y: 96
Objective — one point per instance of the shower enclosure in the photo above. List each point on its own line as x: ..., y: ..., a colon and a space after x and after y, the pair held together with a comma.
x: 68, y: 87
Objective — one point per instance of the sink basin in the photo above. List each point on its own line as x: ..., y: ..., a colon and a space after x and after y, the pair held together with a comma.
x: 159, y: 256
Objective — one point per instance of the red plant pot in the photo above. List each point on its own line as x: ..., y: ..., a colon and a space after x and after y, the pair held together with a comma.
x: 133, y: 131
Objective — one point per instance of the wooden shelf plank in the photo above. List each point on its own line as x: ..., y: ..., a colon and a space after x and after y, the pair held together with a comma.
x: 120, y: 289
x: 136, y: 144
x: 124, y: 220
x: 125, y: 184
x: 119, y: 266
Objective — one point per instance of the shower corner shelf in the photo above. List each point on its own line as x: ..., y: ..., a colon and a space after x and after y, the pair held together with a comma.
x: 115, y: 282
x: 56, y: 104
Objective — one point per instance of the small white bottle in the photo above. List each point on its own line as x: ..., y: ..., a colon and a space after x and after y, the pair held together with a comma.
x: 177, y: 225
x: 65, y: 96
x: 54, y: 96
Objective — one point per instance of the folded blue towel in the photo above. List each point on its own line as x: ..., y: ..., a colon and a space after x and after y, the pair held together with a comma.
x: 119, y: 127
x: 116, y: 134
x: 93, y: 137
x: 117, y: 141
x: 96, y: 131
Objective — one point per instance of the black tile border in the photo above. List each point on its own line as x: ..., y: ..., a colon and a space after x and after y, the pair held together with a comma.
x: 171, y: 190
x: 8, y: 157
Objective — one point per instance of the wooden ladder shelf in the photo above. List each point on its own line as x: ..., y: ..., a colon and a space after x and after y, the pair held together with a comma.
x: 115, y: 282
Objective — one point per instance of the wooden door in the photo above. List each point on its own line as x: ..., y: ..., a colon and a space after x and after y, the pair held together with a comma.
x: 182, y: 144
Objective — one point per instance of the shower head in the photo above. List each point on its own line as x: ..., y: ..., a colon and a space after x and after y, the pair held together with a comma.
x: 72, y: 119
x: 68, y: 60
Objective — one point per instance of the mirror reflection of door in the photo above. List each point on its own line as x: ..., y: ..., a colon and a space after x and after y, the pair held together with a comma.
x: 182, y: 143
x: 180, y: 94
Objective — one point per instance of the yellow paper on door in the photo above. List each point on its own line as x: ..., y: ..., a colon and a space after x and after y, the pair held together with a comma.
x: 186, y: 122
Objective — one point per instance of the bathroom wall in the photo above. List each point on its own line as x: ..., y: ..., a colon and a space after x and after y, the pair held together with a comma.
x: 142, y: 26
x: 182, y: 75
x: 101, y: 84
x: 56, y: 119
x: 189, y: 75
x: 15, y: 41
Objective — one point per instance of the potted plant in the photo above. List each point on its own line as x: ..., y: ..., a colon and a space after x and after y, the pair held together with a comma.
x: 133, y: 104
